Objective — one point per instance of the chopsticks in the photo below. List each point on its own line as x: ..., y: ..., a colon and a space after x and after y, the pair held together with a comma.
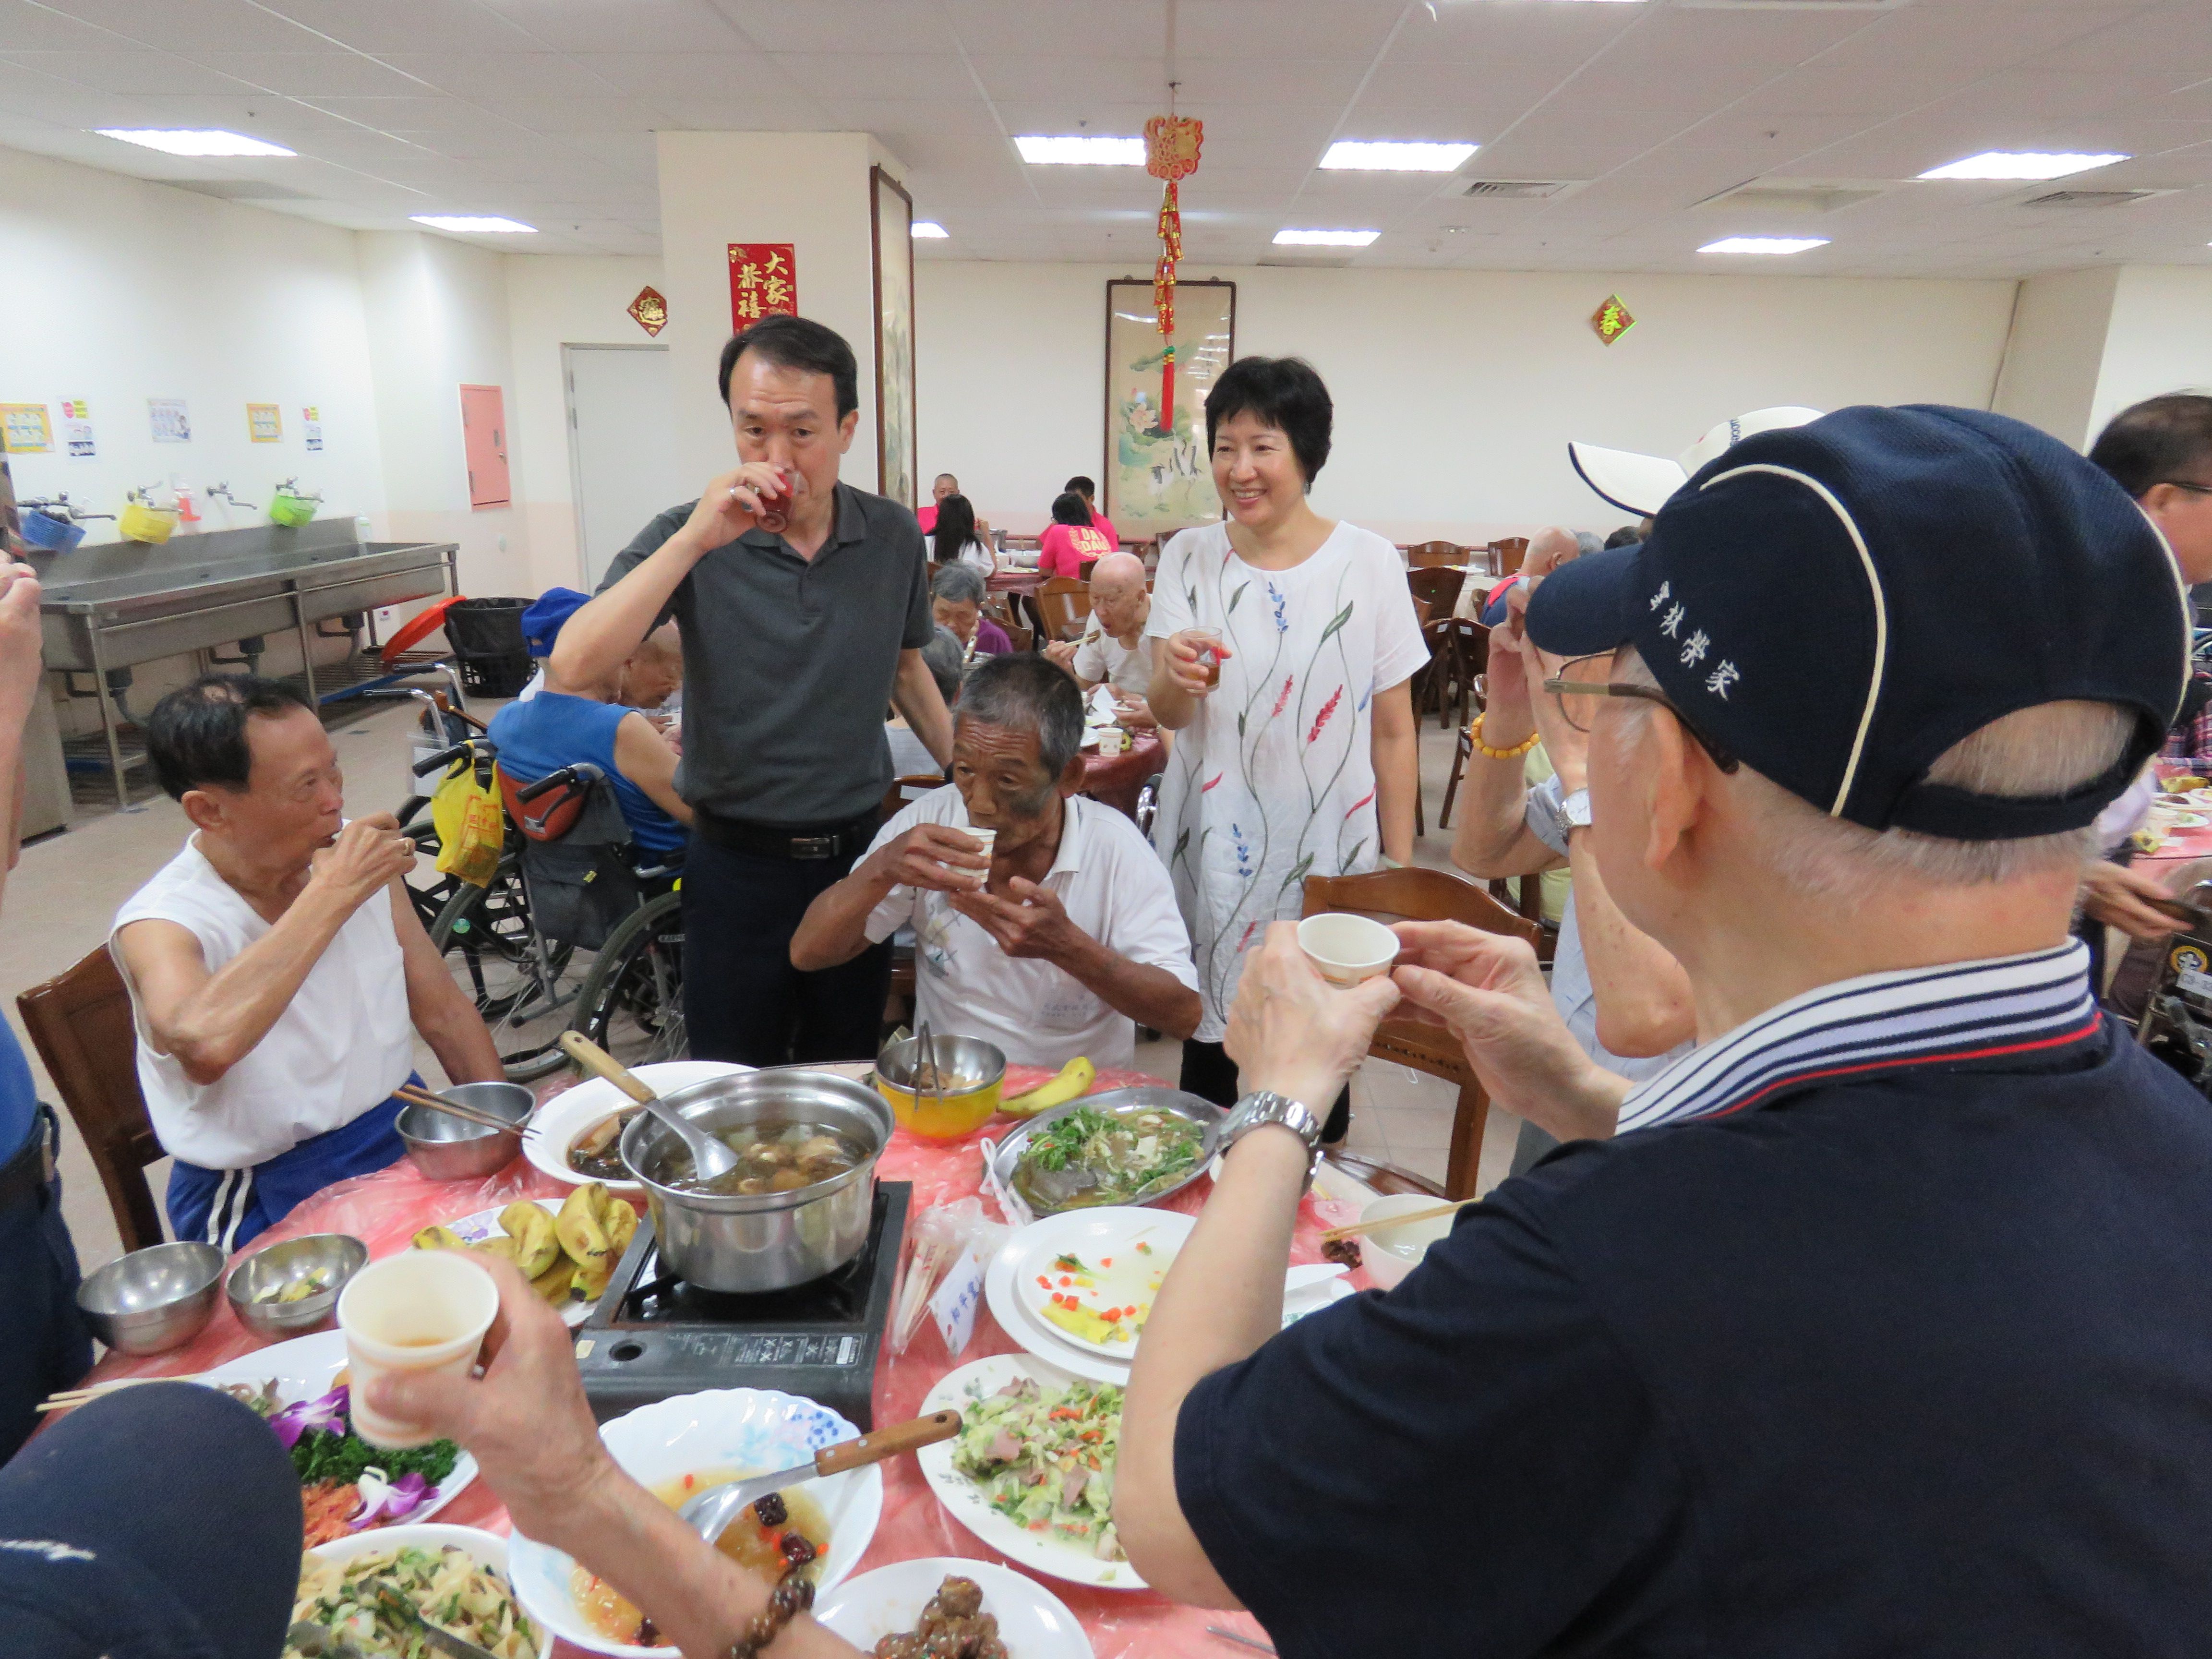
x: 1358, y: 1227
x: 69, y: 1398
x: 1242, y: 1641
x: 415, y: 1097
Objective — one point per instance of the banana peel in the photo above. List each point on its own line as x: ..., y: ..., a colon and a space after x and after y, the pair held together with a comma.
x: 438, y: 1238
x: 537, y: 1246
x: 1074, y: 1080
x: 557, y: 1283
x: 582, y: 1227
x: 503, y: 1247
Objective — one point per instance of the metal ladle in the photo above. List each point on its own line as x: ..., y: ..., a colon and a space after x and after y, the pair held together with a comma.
x: 709, y: 1156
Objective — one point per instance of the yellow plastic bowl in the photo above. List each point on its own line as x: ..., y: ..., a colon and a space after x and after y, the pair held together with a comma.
x: 141, y: 522
x: 961, y: 1111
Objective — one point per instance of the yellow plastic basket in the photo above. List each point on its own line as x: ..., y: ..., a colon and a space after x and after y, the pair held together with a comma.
x: 142, y: 523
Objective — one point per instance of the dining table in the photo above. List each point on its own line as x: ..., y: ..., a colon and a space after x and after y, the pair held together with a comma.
x: 1117, y: 780
x: 385, y: 1210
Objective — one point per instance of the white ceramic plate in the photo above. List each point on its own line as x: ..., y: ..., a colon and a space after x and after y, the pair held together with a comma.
x: 486, y: 1549
x: 567, y: 1116
x: 2187, y: 821
x: 304, y: 1369
x: 1033, y: 1622
x: 484, y: 1224
x: 1096, y: 1237
x: 735, y: 1430
x: 965, y: 1502
x: 1040, y: 1339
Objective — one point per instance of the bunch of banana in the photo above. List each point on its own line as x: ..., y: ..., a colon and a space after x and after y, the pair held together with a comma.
x: 1075, y: 1078
x: 568, y: 1258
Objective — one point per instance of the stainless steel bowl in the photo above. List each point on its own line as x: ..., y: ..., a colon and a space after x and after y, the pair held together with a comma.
x: 448, y: 1148
x: 333, y: 1257
x: 766, y: 1241
x: 154, y: 1299
x: 1203, y: 1114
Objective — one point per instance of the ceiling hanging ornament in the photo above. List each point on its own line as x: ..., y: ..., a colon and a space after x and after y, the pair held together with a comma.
x: 1171, y: 146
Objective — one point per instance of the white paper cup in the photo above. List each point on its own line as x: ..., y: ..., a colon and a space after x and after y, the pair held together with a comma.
x: 990, y: 839
x: 1348, y: 948
x: 420, y: 1311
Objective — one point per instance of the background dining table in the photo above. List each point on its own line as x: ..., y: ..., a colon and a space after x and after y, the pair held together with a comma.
x: 1117, y: 780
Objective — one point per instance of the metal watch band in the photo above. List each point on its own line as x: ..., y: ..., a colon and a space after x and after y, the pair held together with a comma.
x: 1264, y: 1106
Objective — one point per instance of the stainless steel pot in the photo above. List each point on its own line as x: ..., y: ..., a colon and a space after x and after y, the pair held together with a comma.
x: 767, y: 1241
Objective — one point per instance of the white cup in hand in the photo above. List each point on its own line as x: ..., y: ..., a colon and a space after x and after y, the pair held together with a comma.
x: 420, y: 1311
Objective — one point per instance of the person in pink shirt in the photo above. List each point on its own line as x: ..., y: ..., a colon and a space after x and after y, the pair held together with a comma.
x: 1084, y: 488
x: 946, y: 484
x: 1070, y: 543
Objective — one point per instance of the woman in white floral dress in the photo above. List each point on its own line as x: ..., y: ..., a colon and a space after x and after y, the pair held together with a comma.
x: 1302, y: 761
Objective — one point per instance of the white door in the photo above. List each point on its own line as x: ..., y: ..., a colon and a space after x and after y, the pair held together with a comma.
x: 621, y: 447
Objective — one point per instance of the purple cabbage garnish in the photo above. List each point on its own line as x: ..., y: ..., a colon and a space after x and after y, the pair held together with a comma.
x: 327, y: 1414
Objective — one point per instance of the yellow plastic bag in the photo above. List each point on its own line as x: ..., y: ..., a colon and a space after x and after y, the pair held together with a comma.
x: 472, y: 826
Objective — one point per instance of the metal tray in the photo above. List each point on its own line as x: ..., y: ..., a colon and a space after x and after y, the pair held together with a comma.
x: 1153, y: 1097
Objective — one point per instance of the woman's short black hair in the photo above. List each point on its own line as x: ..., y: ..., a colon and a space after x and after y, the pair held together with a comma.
x: 1628, y: 536
x: 801, y: 343
x: 196, y: 735
x: 1070, y: 509
x: 1283, y: 392
x: 956, y: 528
x: 2159, y: 440
x: 1082, y: 486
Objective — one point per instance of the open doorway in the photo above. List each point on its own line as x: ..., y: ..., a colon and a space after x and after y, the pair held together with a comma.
x: 622, y: 429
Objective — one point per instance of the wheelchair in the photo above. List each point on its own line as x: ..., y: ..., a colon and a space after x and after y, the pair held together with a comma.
x: 577, y: 929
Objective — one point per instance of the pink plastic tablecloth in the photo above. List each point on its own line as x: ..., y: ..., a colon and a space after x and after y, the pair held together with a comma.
x: 386, y: 1209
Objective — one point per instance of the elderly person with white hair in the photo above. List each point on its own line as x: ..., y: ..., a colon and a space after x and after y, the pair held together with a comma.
x: 1113, y: 650
x: 957, y: 593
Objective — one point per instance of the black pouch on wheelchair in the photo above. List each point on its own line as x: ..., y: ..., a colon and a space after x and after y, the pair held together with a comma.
x: 580, y: 886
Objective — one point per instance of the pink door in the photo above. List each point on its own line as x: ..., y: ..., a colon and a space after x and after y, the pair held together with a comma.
x: 484, y: 437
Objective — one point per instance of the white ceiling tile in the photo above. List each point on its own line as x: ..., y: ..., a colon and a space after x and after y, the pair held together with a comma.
x: 661, y: 76
x: 839, y: 26
x: 659, y: 25
x: 128, y: 70
x: 190, y: 25
x: 393, y: 26
x: 480, y: 75
x: 26, y: 27
x: 327, y: 72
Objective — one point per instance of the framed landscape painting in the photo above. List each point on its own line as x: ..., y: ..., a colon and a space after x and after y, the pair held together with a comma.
x: 1160, y: 478
x: 893, y: 243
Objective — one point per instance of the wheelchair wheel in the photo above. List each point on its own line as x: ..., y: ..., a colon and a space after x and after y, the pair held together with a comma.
x: 520, y: 981
x: 632, y: 1000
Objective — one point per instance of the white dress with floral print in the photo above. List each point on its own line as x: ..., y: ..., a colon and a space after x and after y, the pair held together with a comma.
x: 1274, y: 780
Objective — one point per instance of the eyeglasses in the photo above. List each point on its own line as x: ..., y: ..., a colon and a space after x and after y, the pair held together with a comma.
x: 1580, y: 694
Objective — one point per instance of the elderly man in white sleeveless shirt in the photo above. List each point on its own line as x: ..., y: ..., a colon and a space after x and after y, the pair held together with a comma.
x: 278, y: 970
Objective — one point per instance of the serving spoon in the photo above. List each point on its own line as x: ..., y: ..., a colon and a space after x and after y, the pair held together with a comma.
x: 711, y: 1512
x: 709, y: 1156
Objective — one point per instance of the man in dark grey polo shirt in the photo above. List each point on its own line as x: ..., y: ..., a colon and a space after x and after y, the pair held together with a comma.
x: 803, y: 605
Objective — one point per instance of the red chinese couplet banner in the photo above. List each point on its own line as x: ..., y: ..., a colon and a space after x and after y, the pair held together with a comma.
x: 764, y: 281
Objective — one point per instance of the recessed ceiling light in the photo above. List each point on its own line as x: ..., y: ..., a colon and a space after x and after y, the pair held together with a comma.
x: 184, y: 143
x: 1380, y: 156
x: 1764, y: 244
x: 1083, y: 151
x: 1325, y: 237
x: 465, y: 221
x: 2020, y: 164
x: 927, y: 230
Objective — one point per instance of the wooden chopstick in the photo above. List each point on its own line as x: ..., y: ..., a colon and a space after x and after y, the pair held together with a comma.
x: 68, y: 1399
x: 415, y: 1097
x: 1359, y: 1227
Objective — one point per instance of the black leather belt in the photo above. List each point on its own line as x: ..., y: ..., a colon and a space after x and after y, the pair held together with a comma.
x: 25, y: 1176
x: 803, y: 842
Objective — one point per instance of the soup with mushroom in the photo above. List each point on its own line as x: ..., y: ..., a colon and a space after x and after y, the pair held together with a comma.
x: 772, y: 1158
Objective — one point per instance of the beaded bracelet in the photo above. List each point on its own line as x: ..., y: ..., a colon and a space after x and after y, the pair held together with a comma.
x: 792, y: 1597
x: 1475, y: 733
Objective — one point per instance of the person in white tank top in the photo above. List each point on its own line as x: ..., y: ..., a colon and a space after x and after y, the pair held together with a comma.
x: 277, y: 971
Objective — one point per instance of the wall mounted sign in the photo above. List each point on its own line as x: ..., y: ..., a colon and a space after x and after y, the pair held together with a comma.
x: 25, y: 429
x: 264, y: 424
x: 311, y: 419
x: 171, y: 420
x: 763, y: 283
x: 1611, y: 320
x: 76, y: 430
x: 891, y: 241
x: 649, y: 311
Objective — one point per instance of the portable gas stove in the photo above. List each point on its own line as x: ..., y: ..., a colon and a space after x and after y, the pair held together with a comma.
x: 653, y: 1335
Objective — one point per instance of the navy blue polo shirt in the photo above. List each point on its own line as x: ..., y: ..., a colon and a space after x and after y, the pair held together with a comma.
x: 1894, y: 1337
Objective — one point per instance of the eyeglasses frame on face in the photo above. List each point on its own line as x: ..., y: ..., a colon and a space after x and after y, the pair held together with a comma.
x: 1561, y: 687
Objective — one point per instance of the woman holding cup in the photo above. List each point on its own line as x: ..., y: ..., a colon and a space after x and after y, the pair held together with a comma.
x: 1285, y: 646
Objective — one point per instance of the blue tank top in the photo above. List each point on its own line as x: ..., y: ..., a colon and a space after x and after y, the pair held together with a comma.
x: 19, y: 1097
x: 552, y: 731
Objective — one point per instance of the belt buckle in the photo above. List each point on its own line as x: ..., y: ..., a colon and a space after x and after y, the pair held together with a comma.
x: 813, y: 847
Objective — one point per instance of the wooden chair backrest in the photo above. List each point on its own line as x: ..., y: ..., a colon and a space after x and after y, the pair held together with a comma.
x: 903, y: 790
x: 1510, y: 552
x: 1473, y: 641
x: 80, y: 1023
x: 1439, y: 587
x: 1065, y: 605
x: 1022, y: 638
x: 1429, y: 553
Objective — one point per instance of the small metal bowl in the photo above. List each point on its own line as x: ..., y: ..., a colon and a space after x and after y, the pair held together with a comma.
x: 946, y: 1114
x: 154, y: 1299
x: 448, y: 1148
x: 333, y: 1257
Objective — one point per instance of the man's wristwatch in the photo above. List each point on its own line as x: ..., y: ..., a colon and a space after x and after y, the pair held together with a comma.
x: 1575, y: 810
x: 1263, y: 1107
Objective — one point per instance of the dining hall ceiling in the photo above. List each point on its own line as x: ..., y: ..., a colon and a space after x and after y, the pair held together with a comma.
x: 1663, y: 125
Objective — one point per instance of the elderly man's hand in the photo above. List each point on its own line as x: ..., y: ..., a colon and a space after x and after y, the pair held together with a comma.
x: 934, y: 856
x: 1031, y: 921
x: 739, y: 499
x: 1291, y: 1032
x: 368, y: 855
x: 1133, y: 712
x: 526, y: 1421
x: 2120, y: 896
x: 1062, y: 652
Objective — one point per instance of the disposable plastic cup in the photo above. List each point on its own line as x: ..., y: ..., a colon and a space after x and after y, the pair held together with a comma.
x: 1345, y: 948
x: 990, y: 839
x: 420, y: 1311
x: 1208, y: 641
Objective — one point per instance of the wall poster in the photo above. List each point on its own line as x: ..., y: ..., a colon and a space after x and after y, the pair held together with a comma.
x: 1157, y: 481
x: 891, y: 239
x: 264, y: 424
x: 171, y: 419
x: 763, y: 282
x: 76, y: 430
x: 25, y: 429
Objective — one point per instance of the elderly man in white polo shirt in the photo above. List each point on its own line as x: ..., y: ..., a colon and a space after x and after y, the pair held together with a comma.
x: 1053, y: 938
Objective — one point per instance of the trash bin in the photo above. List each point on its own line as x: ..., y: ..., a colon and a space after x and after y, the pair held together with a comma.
x: 486, y: 635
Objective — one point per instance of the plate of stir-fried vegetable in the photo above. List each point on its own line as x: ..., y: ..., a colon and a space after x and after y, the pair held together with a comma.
x: 453, y: 1577
x: 1123, y: 1146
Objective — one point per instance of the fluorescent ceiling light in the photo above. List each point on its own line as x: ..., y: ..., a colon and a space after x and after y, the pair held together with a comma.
x: 1085, y: 152
x: 474, y: 222
x: 1325, y: 237
x: 1764, y: 244
x: 2020, y: 164
x: 1387, y: 156
x: 184, y: 143
x: 927, y: 230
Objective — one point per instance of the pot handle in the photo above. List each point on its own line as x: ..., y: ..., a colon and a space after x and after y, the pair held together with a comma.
x: 887, y: 1442
x: 599, y: 1063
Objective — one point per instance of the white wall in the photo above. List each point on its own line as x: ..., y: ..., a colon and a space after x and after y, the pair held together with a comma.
x: 2160, y: 338
x: 1456, y: 392
x: 2051, y: 366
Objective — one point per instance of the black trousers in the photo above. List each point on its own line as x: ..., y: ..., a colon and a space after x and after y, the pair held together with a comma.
x: 742, y: 1000
x: 1209, y: 1073
x: 44, y: 1343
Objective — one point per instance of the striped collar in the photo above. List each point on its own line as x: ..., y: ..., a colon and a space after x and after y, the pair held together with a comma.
x: 1961, y: 1013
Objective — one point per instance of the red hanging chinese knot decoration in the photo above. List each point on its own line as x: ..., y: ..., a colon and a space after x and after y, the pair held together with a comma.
x: 1171, y: 147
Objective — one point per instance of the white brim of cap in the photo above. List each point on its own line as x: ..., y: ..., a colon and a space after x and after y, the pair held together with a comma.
x: 1634, y: 483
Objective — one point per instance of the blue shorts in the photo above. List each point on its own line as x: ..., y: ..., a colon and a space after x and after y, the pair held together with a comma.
x: 230, y: 1208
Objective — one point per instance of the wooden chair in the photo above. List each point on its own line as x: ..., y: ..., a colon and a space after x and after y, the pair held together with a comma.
x: 1064, y: 604
x: 1439, y: 587
x: 1025, y: 639
x: 1507, y: 554
x: 906, y: 790
x: 80, y: 1023
x: 1424, y: 554
x: 1417, y: 895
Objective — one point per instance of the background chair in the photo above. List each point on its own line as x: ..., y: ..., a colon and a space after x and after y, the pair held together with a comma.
x: 1508, y: 553
x: 1064, y: 604
x: 1424, y: 554
x: 80, y: 1023
x: 1414, y: 895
